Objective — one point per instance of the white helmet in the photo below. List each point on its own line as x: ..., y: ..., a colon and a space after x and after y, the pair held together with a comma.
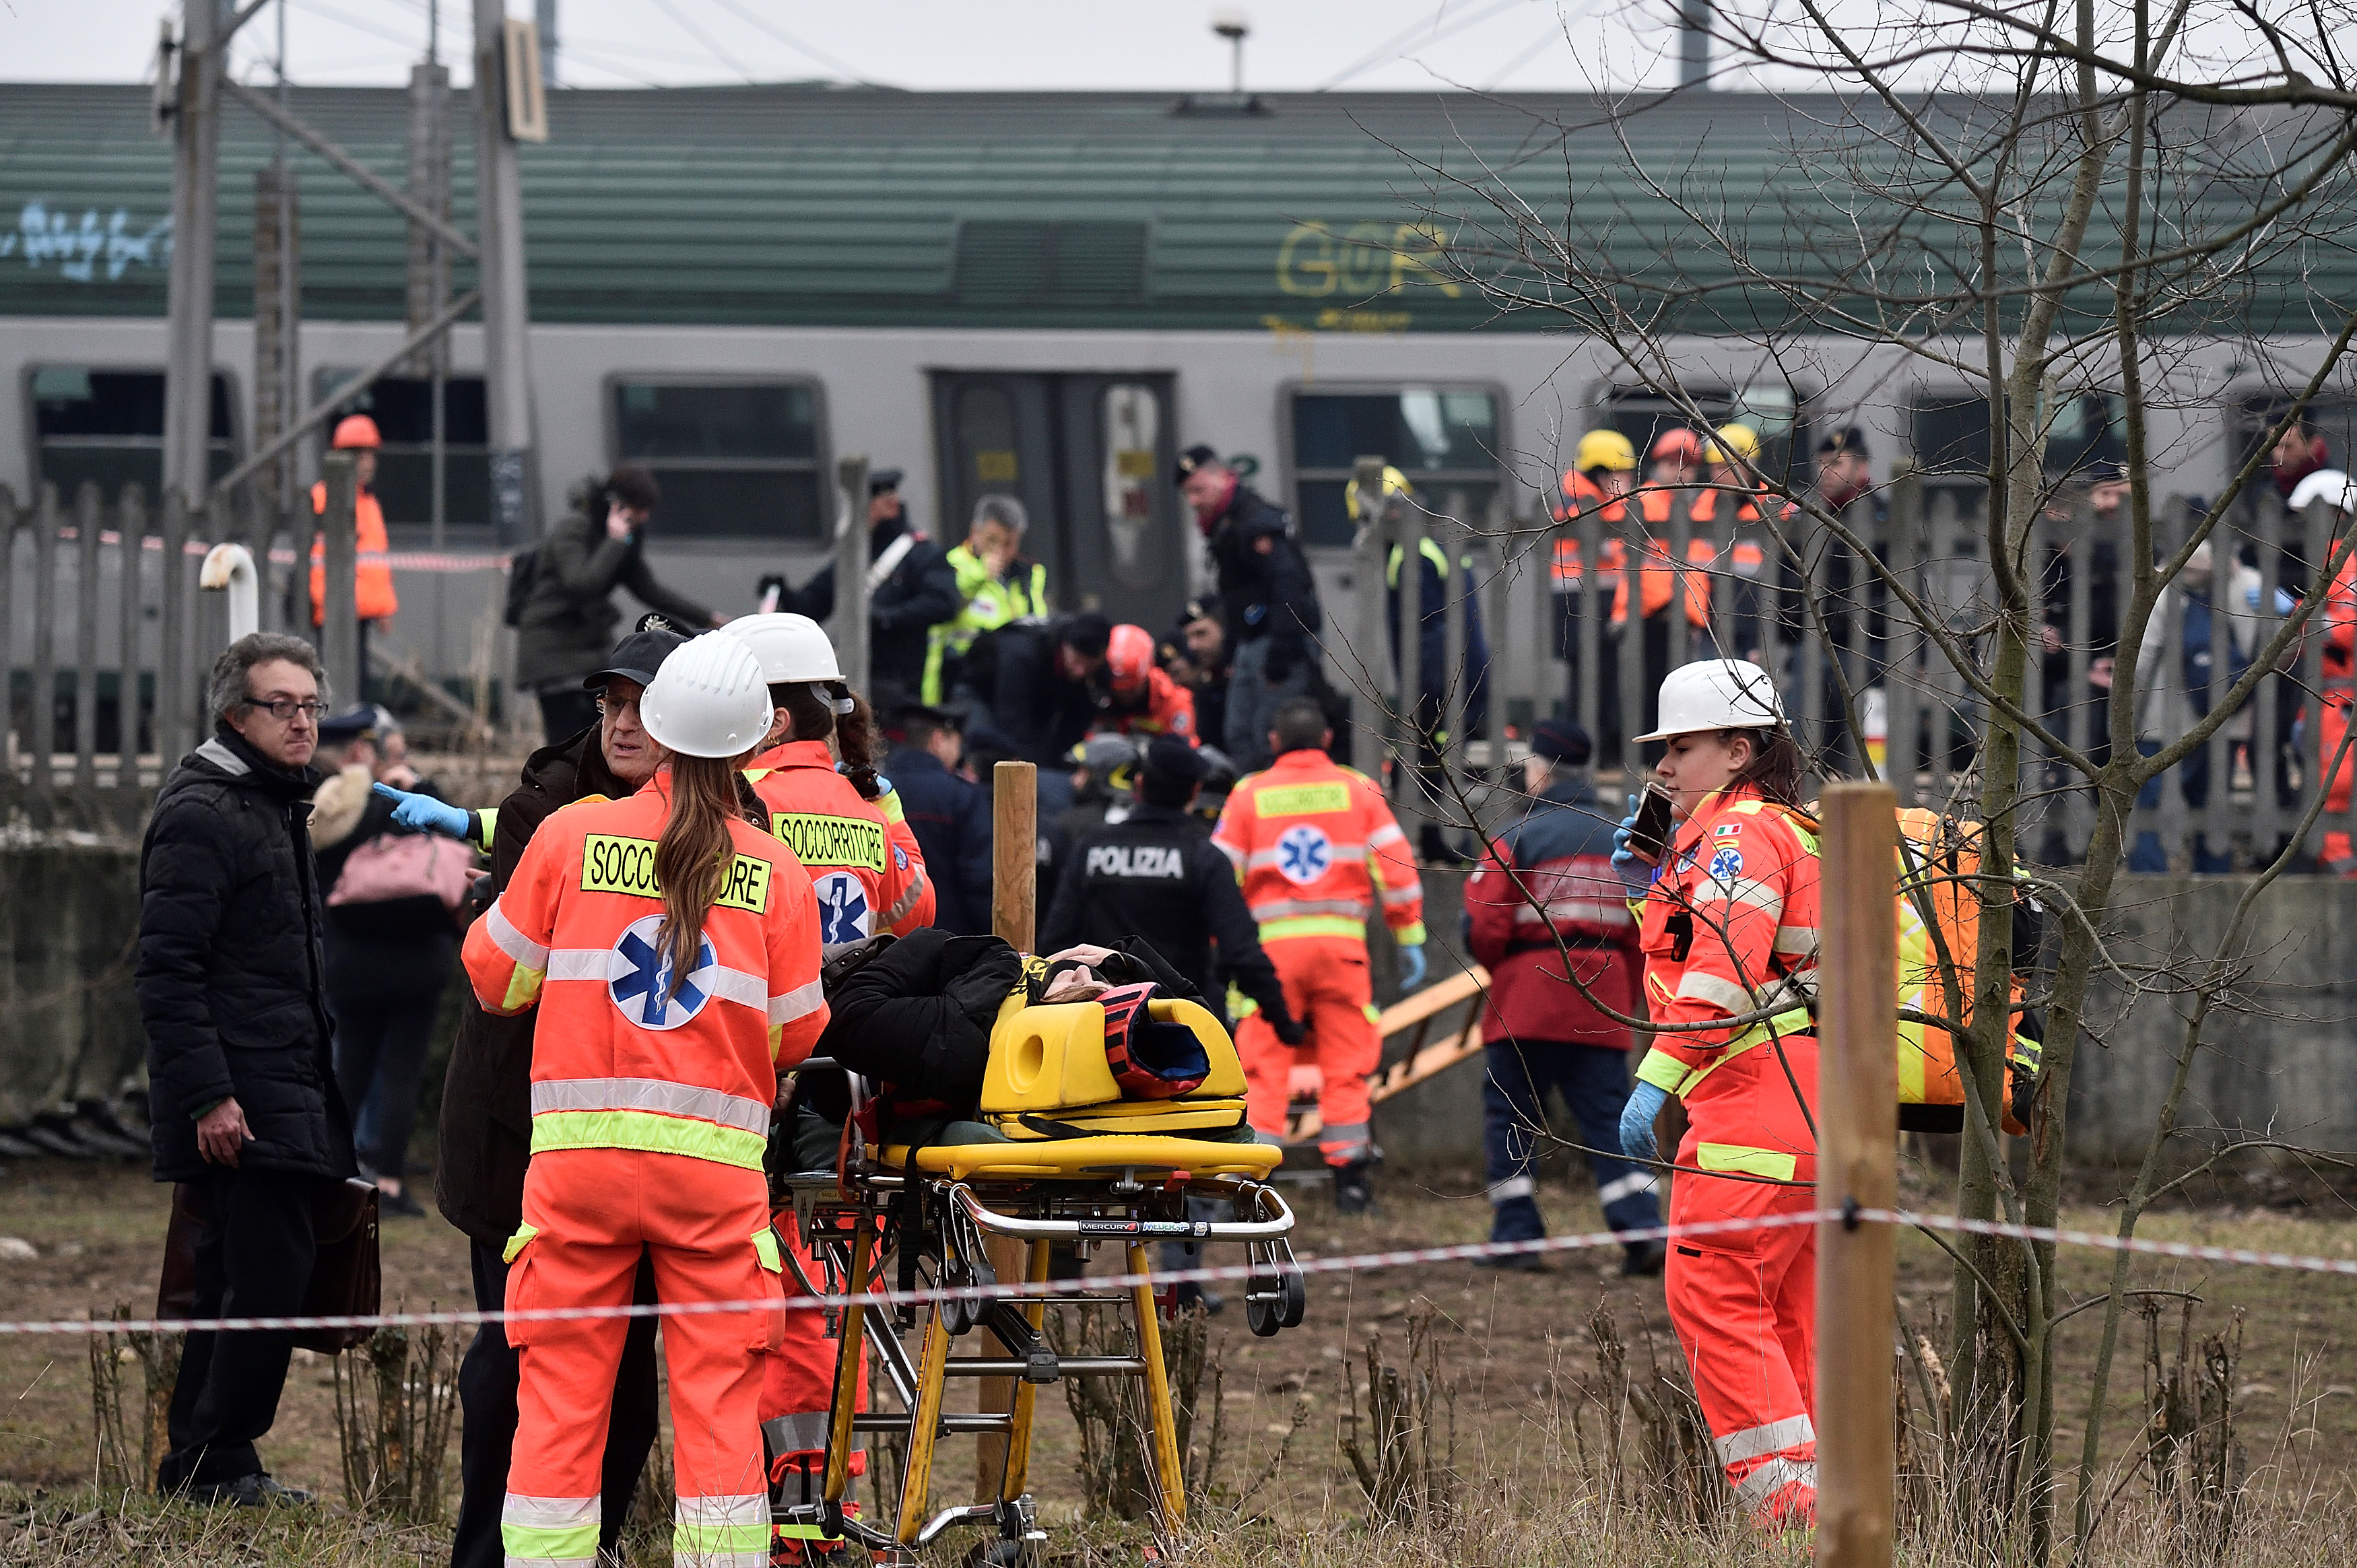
x: 2325, y: 485
x: 790, y: 647
x: 709, y: 699
x: 1715, y: 694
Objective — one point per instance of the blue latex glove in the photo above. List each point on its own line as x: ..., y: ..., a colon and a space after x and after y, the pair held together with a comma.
x: 1412, y: 968
x: 1645, y: 1102
x: 1635, y: 874
x: 424, y: 812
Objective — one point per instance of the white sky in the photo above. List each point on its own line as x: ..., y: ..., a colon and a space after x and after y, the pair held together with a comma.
x: 1073, y: 44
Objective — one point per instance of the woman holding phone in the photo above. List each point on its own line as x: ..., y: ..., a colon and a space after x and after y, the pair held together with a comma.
x: 1727, y: 925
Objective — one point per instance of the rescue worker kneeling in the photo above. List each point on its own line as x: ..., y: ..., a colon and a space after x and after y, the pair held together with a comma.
x: 673, y: 947
x: 1728, y: 930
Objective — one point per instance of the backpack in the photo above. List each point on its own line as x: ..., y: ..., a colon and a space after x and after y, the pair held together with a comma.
x: 523, y: 571
x: 1939, y: 858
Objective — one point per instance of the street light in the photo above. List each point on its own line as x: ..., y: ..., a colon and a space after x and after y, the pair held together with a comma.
x: 1230, y: 24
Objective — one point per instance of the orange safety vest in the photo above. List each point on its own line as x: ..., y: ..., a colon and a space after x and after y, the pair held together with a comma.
x: 372, y: 594
x: 1728, y: 927
x: 865, y: 867
x: 1316, y: 849
x: 1168, y: 709
x: 1655, y: 570
x: 628, y: 1056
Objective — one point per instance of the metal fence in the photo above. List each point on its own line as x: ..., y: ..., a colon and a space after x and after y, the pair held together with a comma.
x: 1857, y: 666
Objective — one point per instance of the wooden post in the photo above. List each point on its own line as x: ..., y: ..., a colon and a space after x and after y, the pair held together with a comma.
x: 1013, y: 910
x: 1857, y: 1163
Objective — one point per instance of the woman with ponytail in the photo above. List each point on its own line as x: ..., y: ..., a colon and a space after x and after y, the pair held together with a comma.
x: 819, y: 783
x: 673, y: 950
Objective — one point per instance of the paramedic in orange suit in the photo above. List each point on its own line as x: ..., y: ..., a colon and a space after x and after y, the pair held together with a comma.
x: 1728, y: 929
x: 1317, y: 850
x: 672, y: 948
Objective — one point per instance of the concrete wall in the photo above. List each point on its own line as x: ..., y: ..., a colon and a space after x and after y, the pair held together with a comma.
x: 2285, y: 1061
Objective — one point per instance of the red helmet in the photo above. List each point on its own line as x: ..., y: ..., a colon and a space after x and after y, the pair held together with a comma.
x: 356, y: 430
x: 1129, y: 656
x: 1677, y: 444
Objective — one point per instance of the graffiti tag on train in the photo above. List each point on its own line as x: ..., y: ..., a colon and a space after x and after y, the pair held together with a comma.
x: 1362, y: 261
x: 81, y: 250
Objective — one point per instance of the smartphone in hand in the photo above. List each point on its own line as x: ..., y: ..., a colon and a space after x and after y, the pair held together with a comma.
x: 1649, y: 836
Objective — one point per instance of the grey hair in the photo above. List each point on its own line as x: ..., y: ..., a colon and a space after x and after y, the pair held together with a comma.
x: 230, y: 687
x: 1002, y: 510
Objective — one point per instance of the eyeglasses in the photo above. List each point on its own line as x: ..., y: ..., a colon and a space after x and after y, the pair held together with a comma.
x: 283, y: 709
x: 617, y: 705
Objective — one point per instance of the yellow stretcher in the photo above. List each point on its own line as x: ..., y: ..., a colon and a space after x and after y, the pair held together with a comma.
x: 1061, y: 1158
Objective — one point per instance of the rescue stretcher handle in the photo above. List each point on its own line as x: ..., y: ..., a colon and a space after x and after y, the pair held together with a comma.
x: 990, y: 1220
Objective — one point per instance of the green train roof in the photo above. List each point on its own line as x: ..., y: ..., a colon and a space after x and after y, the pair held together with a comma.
x: 821, y: 206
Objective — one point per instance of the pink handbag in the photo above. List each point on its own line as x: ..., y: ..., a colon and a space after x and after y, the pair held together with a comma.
x: 404, y: 865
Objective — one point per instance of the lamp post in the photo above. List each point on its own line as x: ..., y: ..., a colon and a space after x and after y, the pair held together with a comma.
x: 1230, y: 25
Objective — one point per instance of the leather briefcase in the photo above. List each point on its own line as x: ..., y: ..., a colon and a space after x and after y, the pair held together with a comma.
x: 347, y: 1275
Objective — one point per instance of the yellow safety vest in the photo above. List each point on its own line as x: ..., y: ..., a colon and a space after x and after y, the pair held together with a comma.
x: 985, y: 603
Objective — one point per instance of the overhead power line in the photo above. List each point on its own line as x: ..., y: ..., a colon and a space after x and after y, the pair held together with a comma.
x: 762, y: 24
x: 700, y: 37
x: 1388, y: 49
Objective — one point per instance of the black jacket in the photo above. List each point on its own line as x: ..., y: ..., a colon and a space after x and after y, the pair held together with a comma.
x: 231, y: 974
x: 1271, y: 595
x: 918, y: 593
x: 951, y: 817
x: 394, y: 951
x: 1031, y: 711
x: 567, y: 624
x: 1154, y: 875
x: 486, y: 1129
x: 917, y: 1019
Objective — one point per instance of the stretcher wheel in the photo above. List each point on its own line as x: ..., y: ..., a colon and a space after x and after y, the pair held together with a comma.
x: 960, y: 1314
x: 1296, y: 1299
x: 1263, y: 1306
x: 1003, y: 1554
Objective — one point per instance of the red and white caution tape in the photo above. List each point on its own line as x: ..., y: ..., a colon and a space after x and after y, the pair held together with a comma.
x: 282, y: 555
x: 1351, y: 1264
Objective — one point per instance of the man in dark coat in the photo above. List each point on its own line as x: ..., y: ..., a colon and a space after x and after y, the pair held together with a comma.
x: 950, y: 815
x: 568, y: 617
x: 911, y: 588
x: 486, y: 1136
x: 1267, y: 599
x: 241, y: 1068
x: 1035, y: 689
x: 1546, y: 894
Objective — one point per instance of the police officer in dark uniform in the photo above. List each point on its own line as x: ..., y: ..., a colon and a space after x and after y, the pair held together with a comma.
x: 1154, y: 873
x: 911, y: 587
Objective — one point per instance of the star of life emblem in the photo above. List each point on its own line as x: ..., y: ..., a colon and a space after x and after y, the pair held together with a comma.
x: 640, y: 982
x: 842, y: 912
x: 1303, y: 853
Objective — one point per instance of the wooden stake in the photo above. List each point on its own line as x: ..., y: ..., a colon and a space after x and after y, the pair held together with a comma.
x: 1013, y: 911
x: 1857, y: 1163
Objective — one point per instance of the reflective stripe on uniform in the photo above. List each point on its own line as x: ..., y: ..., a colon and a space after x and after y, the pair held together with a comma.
x: 798, y: 1432
x: 1390, y: 833
x: 1289, y: 909
x: 512, y: 942
x: 1665, y: 1071
x: 1719, y: 991
x: 1336, y: 855
x: 1796, y: 941
x: 722, y: 1532
x: 1610, y: 912
x: 1745, y: 892
x: 549, y: 1532
x: 1235, y: 856
x: 1628, y: 1186
x: 799, y: 1003
x: 648, y: 1132
x: 1754, y: 1441
x: 1512, y: 1187
x: 605, y: 965
x: 1772, y: 1477
x: 1408, y: 895
x: 1742, y: 1160
x: 899, y: 911
x: 653, y: 1094
x: 1313, y: 925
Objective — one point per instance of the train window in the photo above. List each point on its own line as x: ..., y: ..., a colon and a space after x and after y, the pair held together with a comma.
x: 1130, y: 418
x: 1444, y: 439
x: 1772, y: 411
x: 403, y: 408
x: 107, y: 426
x: 1950, y: 434
x: 735, y: 459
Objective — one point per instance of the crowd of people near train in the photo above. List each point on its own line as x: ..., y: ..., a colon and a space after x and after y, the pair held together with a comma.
x: 727, y: 858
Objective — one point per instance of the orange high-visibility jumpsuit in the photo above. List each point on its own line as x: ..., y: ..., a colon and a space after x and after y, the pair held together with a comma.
x: 1164, y: 708
x: 372, y: 594
x: 862, y: 854
x: 1315, y: 848
x: 2339, y: 673
x: 863, y: 858
x: 1655, y: 569
x: 1728, y: 927
x: 652, y: 1096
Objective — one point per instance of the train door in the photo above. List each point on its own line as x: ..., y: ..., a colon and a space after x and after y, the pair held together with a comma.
x: 1090, y: 457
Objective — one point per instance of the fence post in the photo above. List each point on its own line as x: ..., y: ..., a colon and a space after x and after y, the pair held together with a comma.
x: 45, y: 652
x: 1368, y: 545
x: 8, y: 521
x: 1857, y: 1163
x: 850, y: 572
x: 173, y: 707
x: 1902, y: 706
x: 87, y: 518
x: 339, y: 617
x: 131, y: 534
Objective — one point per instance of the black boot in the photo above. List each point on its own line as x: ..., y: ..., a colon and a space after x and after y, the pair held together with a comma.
x: 1354, y: 1187
x: 1644, y: 1260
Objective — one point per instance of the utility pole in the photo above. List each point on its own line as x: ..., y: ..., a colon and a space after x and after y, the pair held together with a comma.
x: 543, y: 14
x: 498, y: 226
x: 195, y: 173
x: 277, y: 327
x: 1693, y: 43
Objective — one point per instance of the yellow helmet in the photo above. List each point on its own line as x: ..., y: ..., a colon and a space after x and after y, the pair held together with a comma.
x: 1395, y: 484
x: 1606, y: 450
x: 1731, y: 443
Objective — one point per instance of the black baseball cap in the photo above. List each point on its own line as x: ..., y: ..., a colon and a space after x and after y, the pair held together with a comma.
x: 637, y: 657
x: 1194, y: 458
x: 1561, y: 740
x: 882, y: 480
x: 1086, y: 633
x: 1848, y: 438
x: 1171, y: 758
x: 360, y: 722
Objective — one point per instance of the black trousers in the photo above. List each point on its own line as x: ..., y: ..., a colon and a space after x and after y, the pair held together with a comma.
x: 487, y: 1404
x: 253, y: 1259
x: 380, y: 1058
